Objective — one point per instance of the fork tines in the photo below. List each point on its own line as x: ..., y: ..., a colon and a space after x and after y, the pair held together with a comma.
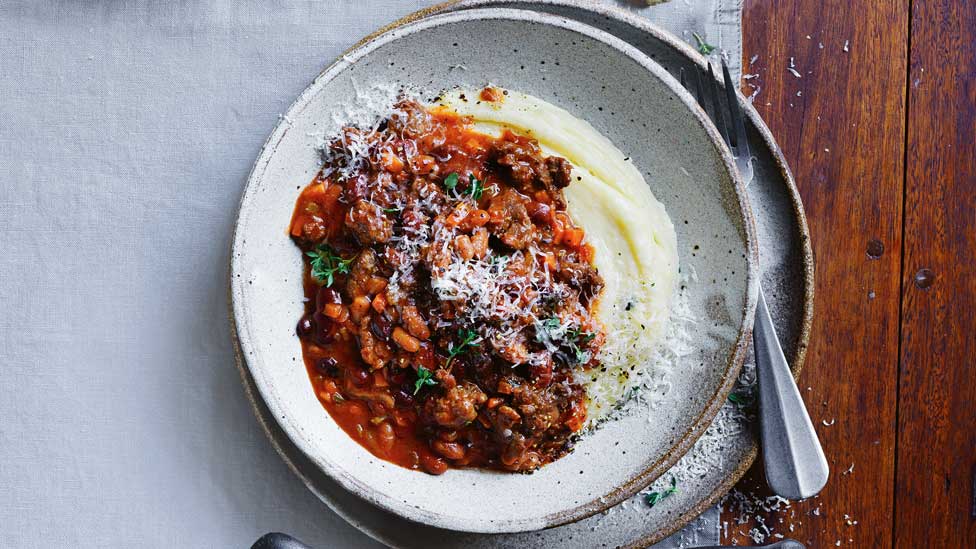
x: 726, y: 114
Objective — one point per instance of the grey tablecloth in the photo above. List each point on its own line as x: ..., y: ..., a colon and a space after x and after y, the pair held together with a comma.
x: 127, y: 130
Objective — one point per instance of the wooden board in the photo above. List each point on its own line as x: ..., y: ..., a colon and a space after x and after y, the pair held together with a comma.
x: 841, y: 123
x: 936, y: 463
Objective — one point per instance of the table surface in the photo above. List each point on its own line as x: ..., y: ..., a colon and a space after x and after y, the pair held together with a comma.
x: 880, y: 138
x: 882, y: 141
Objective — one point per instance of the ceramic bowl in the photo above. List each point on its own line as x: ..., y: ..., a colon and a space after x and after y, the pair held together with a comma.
x: 629, y: 99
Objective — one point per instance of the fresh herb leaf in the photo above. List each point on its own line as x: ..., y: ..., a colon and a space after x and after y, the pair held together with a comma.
x: 703, y: 47
x: 580, y: 355
x: 476, y: 187
x: 578, y: 339
x: 655, y: 497
x: 424, y: 377
x: 551, y: 323
x: 451, y: 181
x: 326, y: 263
x: 572, y: 338
x: 467, y: 340
x: 736, y: 398
x: 579, y: 336
x: 547, y: 332
x: 391, y: 210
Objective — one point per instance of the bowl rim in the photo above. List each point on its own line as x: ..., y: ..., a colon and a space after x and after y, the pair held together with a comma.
x: 653, y: 470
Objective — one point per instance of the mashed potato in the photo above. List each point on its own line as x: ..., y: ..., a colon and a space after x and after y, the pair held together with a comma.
x: 634, y: 239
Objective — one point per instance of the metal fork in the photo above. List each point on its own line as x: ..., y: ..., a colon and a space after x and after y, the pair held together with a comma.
x: 796, y: 467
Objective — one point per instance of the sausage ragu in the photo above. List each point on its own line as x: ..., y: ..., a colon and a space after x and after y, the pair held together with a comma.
x: 450, y: 297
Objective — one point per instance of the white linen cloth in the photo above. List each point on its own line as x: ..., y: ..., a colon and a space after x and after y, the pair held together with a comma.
x: 127, y: 130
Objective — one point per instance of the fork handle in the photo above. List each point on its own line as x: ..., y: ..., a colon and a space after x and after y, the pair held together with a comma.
x: 796, y: 467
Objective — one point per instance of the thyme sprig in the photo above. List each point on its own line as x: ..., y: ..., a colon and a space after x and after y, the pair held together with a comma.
x: 424, y: 377
x: 326, y: 263
x: 468, y: 338
x: 654, y: 498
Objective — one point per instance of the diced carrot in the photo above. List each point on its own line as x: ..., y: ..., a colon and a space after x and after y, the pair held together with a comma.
x: 424, y: 164
x: 477, y: 218
x: 375, y: 284
x: 457, y: 215
x: 379, y: 303
x: 573, y: 237
x: 586, y: 254
x: 332, y: 191
x: 557, y: 235
x: 391, y: 162
x: 491, y: 94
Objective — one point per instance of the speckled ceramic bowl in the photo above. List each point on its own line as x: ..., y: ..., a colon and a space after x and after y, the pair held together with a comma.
x: 647, y: 114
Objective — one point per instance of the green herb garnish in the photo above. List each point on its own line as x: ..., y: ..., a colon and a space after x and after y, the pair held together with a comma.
x: 703, y: 47
x: 391, y: 210
x: 580, y: 338
x: 451, y: 181
x: 549, y: 331
x: 476, y: 188
x: 581, y: 356
x: 551, y: 323
x: 326, y: 263
x: 654, y: 498
x: 424, y: 377
x: 546, y: 330
x: 736, y: 398
x: 574, y: 338
x: 467, y: 340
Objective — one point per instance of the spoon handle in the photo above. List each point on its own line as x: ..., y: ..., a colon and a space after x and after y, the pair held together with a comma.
x: 796, y: 467
x: 277, y: 540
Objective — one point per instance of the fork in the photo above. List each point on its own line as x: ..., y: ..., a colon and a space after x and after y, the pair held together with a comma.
x: 796, y: 467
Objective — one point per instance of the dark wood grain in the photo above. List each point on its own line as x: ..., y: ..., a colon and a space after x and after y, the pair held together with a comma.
x: 936, y: 464
x: 841, y: 125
